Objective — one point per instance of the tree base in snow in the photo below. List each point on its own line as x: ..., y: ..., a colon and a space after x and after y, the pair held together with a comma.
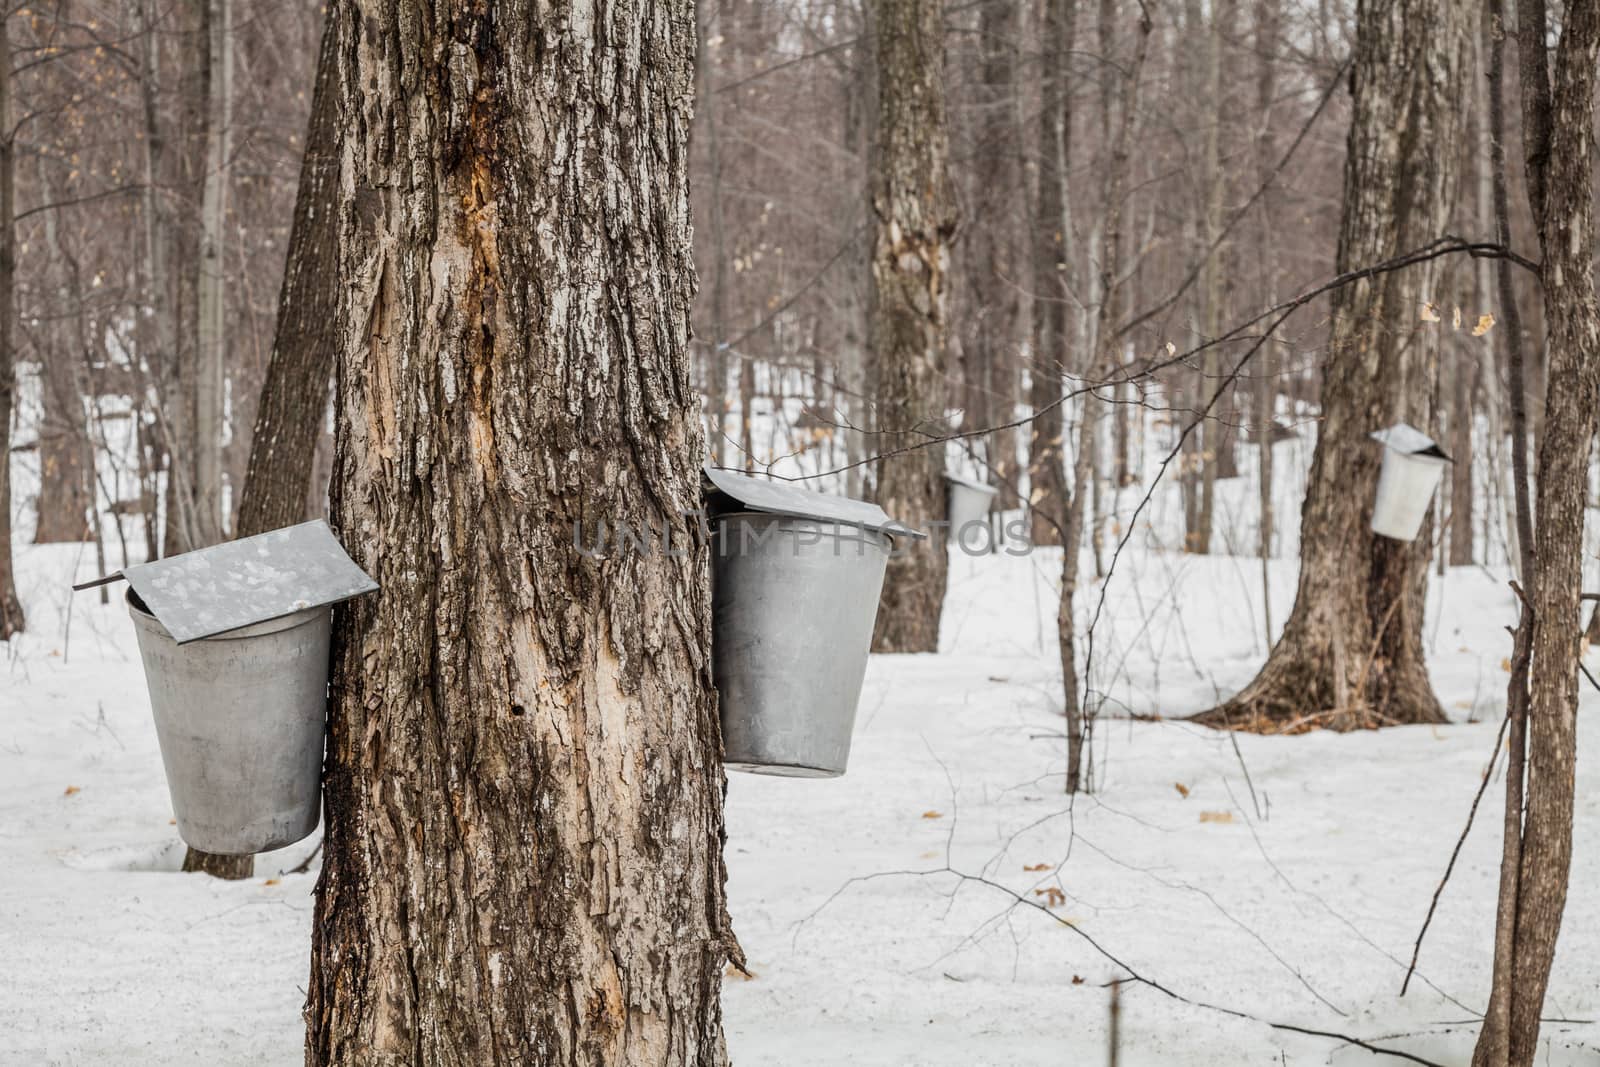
x: 231, y: 868
x: 1297, y: 693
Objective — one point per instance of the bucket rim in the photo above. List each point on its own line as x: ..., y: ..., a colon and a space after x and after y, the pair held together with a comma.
x: 145, y: 620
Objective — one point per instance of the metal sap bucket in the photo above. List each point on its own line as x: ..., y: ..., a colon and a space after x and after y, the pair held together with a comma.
x: 234, y: 639
x: 240, y: 721
x: 967, y: 507
x: 1412, y: 465
x: 794, y: 601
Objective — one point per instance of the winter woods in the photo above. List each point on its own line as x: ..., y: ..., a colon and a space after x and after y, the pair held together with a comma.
x: 1107, y: 298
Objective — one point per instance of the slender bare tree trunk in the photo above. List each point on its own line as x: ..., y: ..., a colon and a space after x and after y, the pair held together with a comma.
x: 66, y: 455
x: 210, y: 345
x: 992, y: 334
x: 747, y: 403
x: 856, y: 360
x: 717, y: 385
x: 1351, y: 652
x: 11, y: 617
x: 1558, y: 123
x: 1494, y: 1038
x: 1052, y: 274
x: 294, y: 399
x: 523, y: 785
x: 1125, y: 90
x: 158, y: 338
x: 914, y: 222
x: 1214, y: 434
x: 1268, y: 30
x: 183, y: 195
x: 211, y: 275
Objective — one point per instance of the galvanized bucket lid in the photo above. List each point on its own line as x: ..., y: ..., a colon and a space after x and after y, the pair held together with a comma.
x: 1410, y: 441
x: 970, y: 483
x: 754, y: 494
x: 225, y: 587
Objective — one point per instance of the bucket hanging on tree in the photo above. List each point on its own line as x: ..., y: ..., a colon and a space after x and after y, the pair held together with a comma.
x: 796, y: 577
x: 1412, y: 464
x: 967, y: 504
x: 234, y: 640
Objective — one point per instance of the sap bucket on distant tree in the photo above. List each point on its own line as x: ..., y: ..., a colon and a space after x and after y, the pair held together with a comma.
x: 234, y: 640
x: 1412, y: 463
x: 795, y: 580
x: 967, y: 504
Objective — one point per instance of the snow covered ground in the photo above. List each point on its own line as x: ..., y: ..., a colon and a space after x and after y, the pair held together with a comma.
x: 934, y: 906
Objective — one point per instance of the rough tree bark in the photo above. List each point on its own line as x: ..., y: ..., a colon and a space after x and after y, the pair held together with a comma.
x: 523, y: 785
x: 1350, y: 655
x: 914, y: 224
x: 294, y: 398
x: 1558, y: 124
x: 11, y: 618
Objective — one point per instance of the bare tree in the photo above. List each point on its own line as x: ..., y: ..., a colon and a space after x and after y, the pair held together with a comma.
x: 523, y: 789
x: 991, y: 306
x: 915, y: 223
x: 1350, y: 654
x: 1052, y: 276
x: 1120, y: 98
x: 210, y: 277
x: 1268, y: 30
x: 11, y: 617
x: 294, y: 398
x: 1558, y: 124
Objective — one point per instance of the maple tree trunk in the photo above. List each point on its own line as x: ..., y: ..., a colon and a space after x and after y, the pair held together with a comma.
x: 294, y: 398
x: 231, y: 868
x: 1351, y: 654
x: 523, y: 783
x: 64, y: 453
x: 915, y: 223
